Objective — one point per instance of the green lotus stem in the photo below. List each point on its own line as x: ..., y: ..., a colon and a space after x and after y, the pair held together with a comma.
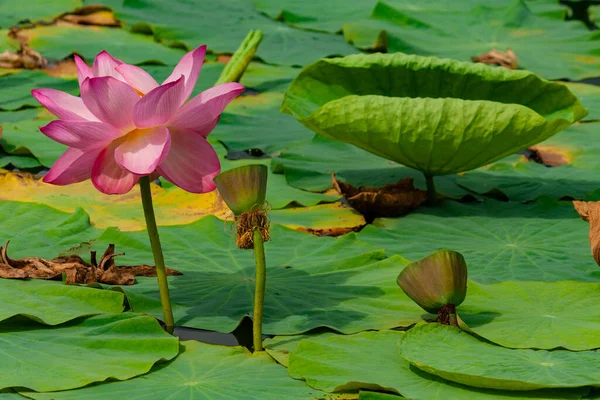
x: 259, y: 290
x: 236, y: 67
x: 431, y: 193
x: 159, y: 260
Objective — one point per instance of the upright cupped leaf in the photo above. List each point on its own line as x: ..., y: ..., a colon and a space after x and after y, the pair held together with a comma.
x: 438, y: 116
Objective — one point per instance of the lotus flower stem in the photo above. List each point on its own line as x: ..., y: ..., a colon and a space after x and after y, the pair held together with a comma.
x: 431, y: 193
x: 259, y: 290
x: 235, y: 68
x: 159, y: 261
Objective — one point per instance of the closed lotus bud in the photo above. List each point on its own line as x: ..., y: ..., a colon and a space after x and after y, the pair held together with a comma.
x: 437, y: 283
x: 243, y: 188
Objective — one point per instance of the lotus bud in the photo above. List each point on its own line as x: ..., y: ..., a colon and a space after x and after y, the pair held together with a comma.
x: 244, y: 189
x: 437, y: 283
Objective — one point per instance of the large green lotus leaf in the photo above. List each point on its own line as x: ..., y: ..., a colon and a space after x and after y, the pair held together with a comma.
x: 208, y: 75
x: 311, y: 281
x: 438, y: 116
x: 82, y: 351
x: 327, y: 16
x: 224, y: 25
x: 280, y: 347
x: 53, y: 303
x: 268, y: 78
x: 39, y: 230
x: 541, y: 315
x: 309, y: 167
x: 370, y: 360
x: 363, y: 395
x: 8, y: 394
x: 443, y: 28
x: 58, y: 42
x: 14, y: 11
x: 255, y: 122
x: 453, y: 354
x: 589, y: 95
x: 578, y: 145
x: 16, y: 88
x: 543, y: 241
x: 201, y: 372
x: 24, y: 138
x: 527, y: 181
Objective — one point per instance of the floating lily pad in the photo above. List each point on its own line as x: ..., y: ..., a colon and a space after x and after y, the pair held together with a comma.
x: 527, y: 181
x: 578, y: 145
x: 83, y: 351
x: 455, y: 355
x: 14, y: 11
x: 24, y: 138
x: 544, y: 241
x: 39, y: 230
x: 589, y: 95
x: 172, y: 205
x: 460, y: 30
x: 541, y: 315
x: 202, y: 371
x: 429, y: 114
x: 254, y: 122
x: 225, y: 24
x: 327, y: 16
x: 311, y: 281
x: 310, y: 166
x: 20, y: 162
x: 58, y: 42
x: 16, y: 88
x: 53, y: 303
x: 325, y: 219
x: 370, y: 361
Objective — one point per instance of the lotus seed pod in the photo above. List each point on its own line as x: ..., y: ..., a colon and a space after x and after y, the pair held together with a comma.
x: 243, y: 188
x: 435, y: 281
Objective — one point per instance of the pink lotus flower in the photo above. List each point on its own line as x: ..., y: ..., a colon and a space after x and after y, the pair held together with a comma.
x: 125, y: 125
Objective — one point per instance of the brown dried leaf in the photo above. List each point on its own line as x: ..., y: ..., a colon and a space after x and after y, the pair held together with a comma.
x: 506, y: 59
x: 551, y: 156
x: 329, y: 231
x: 26, y: 57
x: 92, y: 15
x: 590, y: 212
x: 75, y: 269
x: 391, y: 200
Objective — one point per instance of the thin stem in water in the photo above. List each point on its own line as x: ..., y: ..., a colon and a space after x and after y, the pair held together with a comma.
x: 163, y: 284
x: 431, y: 193
x: 259, y: 290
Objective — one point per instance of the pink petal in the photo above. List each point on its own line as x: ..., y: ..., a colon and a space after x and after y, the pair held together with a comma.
x: 202, y: 111
x: 189, y: 66
x: 137, y: 78
x: 81, y: 134
x: 108, y: 177
x: 143, y: 150
x: 63, y: 105
x: 104, y: 65
x: 110, y: 100
x: 160, y: 104
x: 191, y: 163
x: 83, y: 71
x: 74, y: 165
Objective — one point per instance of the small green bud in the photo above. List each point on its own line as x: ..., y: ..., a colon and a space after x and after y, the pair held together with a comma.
x: 243, y: 188
x: 435, y: 281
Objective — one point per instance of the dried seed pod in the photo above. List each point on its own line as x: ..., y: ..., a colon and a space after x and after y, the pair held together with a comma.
x: 437, y: 283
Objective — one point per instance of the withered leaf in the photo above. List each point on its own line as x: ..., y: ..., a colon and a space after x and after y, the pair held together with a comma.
x: 26, y: 57
x: 92, y: 15
x: 590, y: 212
x: 391, y: 200
x: 548, y: 155
x: 506, y: 59
x: 75, y: 269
